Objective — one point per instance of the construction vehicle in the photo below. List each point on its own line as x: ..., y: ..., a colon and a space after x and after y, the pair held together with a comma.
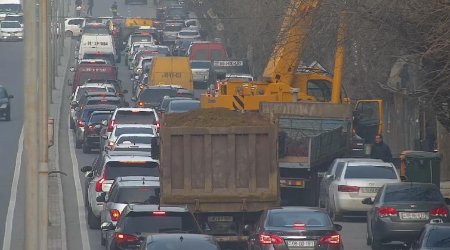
x: 301, y: 97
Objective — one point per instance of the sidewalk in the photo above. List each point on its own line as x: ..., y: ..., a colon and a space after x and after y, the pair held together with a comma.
x: 445, y: 188
x: 57, y: 225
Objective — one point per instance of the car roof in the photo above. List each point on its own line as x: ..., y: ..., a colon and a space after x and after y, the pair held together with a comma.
x: 357, y: 159
x: 134, y: 181
x: 415, y: 184
x: 103, y: 98
x: 150, y: 208
x: 185, y: 101
x: 102, y: 112
x: 99, y: 93
x: 100, y: 106
x: 134, y: 126
x: 369, y: 163
x: 99, y: 84
x: 184, y: 236
x: 136, y: 109
x: 127, y: 153
x: 136, y: 135
x: 296, y: 209
x: 131, y: 156
x: 437, y: 225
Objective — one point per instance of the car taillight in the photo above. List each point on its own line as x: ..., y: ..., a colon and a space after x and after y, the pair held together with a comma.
x: 158, y: 126
x: 80, y: 123
x: 111, y: 126
x: 333, y: 239
x: 125, y: 238
x: 159, y: 213
x: 91, y: 128
x: 386, y: 211
x: 345, y: 188
x: 270, y: 239
x: 439, y: 212
x: 141, y: 104
x: 115, y: 214
x: 99, y: 183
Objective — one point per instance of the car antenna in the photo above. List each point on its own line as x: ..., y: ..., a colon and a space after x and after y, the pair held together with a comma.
x: 143, y: 180
x: 181, y: 238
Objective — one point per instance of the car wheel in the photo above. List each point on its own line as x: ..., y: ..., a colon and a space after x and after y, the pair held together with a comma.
x: 332, y: 211
x: 69, y: 33
x: 368, y: 239
x: 8, y: 114
x: 86, y: 148
x: 102, y: 239
x: 376, y: 245
x: 93, y: 222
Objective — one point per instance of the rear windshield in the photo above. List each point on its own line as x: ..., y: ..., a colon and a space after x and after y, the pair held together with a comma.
x: 11, y: 24
x: 187, y: 244
x: 135, y: 139
x: 289, y: 219
x: 412, y: 193
x: 116, y: 169
x: 14, y: 18
x: 140, y: 39
x: 95, y: 30
x: 103, y: 101
x: 188, y: 33
x: 106, y: 56
x: 173, y: 28
x: 133, y: 130
x: 180, y: 106
x: 138, y: 195
x: 155, y: 95
x: 98, y: 118
x: 130, y: 117
x: 87, y: 113
x: 146, y: 222
x: 370, y: 172
x: 84, y: 76
x: 439, y: 238
x: 200, y: 65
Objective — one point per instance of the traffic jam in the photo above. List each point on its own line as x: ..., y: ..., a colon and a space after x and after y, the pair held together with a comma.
x: 178, y: 164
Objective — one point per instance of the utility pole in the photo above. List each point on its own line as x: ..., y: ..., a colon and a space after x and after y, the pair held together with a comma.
x: 43, y: 123
x: 30, y: 128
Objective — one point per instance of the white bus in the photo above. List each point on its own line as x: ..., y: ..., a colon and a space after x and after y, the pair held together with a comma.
x: 10, y: 7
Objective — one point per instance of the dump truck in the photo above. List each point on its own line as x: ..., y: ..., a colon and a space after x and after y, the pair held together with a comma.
x: 311, y: 136
x: 226, y: 174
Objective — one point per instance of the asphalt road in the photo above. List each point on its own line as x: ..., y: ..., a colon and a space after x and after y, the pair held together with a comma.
x: 79, y: 236
x: 11, y: 76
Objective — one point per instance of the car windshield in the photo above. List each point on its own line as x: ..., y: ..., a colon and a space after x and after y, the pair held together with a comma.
x: 84, y: 76
x: 173, y: 28
x: 135, y: 117
x: 412, y: 193
x: 146, y: 222
x: 140, y: 39
x: 99, y: 117
x: 133, y: 130
x: 370, y: 172
x: 12, y: 7
x: 135, y: 139
x: 439, y: 238
x: 14, y: 18
x: 155, y: 95
x: 95, y: 30
x: 291, y: 218
x: 200, y: 65
x: 176, y: 244
x: 2, y: 93
x: 109, y: 57
x: 165, y: 102
x: 139, y: 194
x: 188, y: 33
x: 183, y: 106
x: 103, y: 101
x: 114, y: 169
x: 87, y: 113
x: 10, y: 25
x: 176, y: 12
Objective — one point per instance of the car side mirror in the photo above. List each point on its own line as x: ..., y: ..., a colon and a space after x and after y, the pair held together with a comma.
x: 403, y: 178
x: 10, y: 96
x: 101, y: 197
x: 329, y: 176
x: 367, y: 201
x: 69, y: 82
x: 74, y: 104
x: 134, y: 99
x: 86, y: 169
x: 72, y: 69
x: 337, y: 227
x: 104, y: 137
x: 89, y: 174
x: 107, y: 226
x: 105, y: 122
x: 447, y: 201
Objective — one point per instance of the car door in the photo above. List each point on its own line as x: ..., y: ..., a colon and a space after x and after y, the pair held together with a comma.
x: 372, y: 210
x: 333, y: 186
x: 96, y: 172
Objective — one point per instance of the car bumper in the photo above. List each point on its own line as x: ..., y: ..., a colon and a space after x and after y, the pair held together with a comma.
x: 346, y: 203
x: 385, y: 230
x: 80, y: 134
x: 3, y: 108
x: 93, y: 140
x: 11, y: 38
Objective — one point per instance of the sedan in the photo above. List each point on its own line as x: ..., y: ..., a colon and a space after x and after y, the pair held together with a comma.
x: 182, y: 106
x: 295, y: 228
x: 191, y: 34
x: 5, y: 104
x: 401, y: 210
x: 435, y: 236
x: 180, y: 242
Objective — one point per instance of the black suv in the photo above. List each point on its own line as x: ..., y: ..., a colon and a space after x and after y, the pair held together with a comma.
x: 138, y: 221
x: 92, y: 128
x: 5, y: 104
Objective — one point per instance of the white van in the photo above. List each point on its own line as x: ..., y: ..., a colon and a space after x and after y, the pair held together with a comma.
x: 101, y: 45
x: 9, y: 7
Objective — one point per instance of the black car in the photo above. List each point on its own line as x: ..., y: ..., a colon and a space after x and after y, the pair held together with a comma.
x: 151, y: 97
x: 401, y: 210
x: 435, y: 236
x: 92, y: 128
x: 138, y: 221
x: 5, y: 104
x: 180, y: 242
x: 287, y: 228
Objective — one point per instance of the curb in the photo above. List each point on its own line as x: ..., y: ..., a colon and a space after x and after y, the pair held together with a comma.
x: 57, y: 239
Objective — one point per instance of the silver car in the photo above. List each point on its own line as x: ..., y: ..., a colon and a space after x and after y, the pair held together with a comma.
x: 330, y: 175
x: 112, y: 165
x: 127, y: 190
x: 120, y: 129
x: 356, y: 181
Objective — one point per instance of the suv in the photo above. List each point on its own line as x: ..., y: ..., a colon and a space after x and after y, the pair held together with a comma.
x: 105, y: 169
x: 133, y: 116
x: 138, y: 221
x: 127, y: 190
x: 82, y: 116
x: 5, y: 103
x: 92, y: 129
x: 356, y: 181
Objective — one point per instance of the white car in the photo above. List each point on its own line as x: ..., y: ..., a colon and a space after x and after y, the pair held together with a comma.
x: 73, y: 27
x: 15, y: 17
x: 11, y: 31
x: 355, y: 181
x: 191, y: 34
x: 135, y: 47
x: 120, y: 129
x: 200, y: 70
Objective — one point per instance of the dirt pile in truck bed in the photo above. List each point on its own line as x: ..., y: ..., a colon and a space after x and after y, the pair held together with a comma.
x: 217, y: 117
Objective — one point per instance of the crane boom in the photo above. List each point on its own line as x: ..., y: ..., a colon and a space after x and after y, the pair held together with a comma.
x: 284, y: 60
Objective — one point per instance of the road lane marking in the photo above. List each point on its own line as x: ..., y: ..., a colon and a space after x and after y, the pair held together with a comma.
x: 79, y: 193
x: 13, y: 197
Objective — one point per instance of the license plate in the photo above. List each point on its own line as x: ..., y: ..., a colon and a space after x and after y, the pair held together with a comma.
x: 413, y: 216
x: 301, y: 243
x: 220, y: 218
x: 369, y: 189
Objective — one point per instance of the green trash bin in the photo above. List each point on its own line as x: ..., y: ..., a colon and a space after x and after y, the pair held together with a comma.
x: 421, y: 166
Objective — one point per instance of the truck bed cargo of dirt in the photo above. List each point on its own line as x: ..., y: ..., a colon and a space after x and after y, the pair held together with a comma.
x: 225, y: 175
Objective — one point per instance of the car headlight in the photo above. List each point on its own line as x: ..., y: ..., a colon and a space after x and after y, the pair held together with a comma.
x: 4, y: 105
